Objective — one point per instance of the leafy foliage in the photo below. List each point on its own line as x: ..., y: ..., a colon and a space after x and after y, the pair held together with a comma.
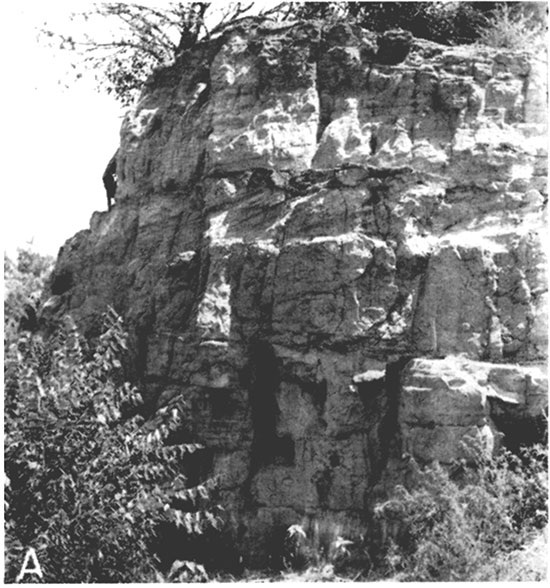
x: 514, y: 27
x: 450, y: 526
x: 24, y: 281
x: 449, y: 23
x: 443, y: 22
x: 88, y: 483
x: 320, y: 548
x: 138, y: 39
x: 185, y: 571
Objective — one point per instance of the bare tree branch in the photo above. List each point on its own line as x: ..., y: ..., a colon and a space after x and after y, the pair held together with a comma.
x: 145, y: 37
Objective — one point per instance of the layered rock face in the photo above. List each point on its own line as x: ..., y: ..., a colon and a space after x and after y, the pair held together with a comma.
x: 332, y: 247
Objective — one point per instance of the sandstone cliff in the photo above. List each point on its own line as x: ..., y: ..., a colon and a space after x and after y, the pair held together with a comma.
x: 333, y: 248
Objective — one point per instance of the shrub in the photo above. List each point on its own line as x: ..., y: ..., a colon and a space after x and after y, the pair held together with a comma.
x: 509, y: 25
x: 88, y: 483
x: 513, y: 28
x: 318, y: 547
x: 24, y: 281
x: 460, y: 525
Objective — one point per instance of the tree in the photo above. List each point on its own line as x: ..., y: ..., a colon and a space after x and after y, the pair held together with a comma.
x: 500, y: 24
x: 89, y: 484
x: 443, y: 22
x: 122, y: 43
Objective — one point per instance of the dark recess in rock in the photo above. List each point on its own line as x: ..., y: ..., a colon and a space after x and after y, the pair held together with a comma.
x: 518, y: 429
x: 393, y: 47
x: 61, y: 282
x: 263, y: 384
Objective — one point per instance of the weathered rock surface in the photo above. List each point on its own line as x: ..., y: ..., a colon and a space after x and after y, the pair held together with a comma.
x: 445, y: 402
x: 336, y: 255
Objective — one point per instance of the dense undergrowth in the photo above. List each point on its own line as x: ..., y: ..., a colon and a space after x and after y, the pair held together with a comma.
x: 89, y: 485
x: 460, y: 523
x: 481, y: 521
x: 98, y: 491
x: 24, y: 280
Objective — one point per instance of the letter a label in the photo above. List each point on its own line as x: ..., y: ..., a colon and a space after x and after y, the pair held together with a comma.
x: 26, y: 567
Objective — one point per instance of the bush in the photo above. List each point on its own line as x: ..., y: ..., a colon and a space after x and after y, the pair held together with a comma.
x: 320, y: 547
x: 449, y: 23
x: 509, y: 25
x: 514, y: 28
x: 24, y: 281
x: 460, y: 525
x: 88, y: 483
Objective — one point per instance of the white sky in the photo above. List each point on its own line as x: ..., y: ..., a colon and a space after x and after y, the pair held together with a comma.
x: 56, y: 141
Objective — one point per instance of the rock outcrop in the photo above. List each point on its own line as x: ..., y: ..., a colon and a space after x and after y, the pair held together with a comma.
x: 333, y: 247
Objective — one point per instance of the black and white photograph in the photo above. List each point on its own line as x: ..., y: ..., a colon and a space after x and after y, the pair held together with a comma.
x: 275, y: 292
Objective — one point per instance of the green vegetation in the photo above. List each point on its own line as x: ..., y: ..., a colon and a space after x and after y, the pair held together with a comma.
x: 484, y: 522
x: 460, y: 524
x: 24, y: 281
x: 514, y: 27
x: 102, y: 494
x: 449, y: 23
x: 320, y: 549
x: 142, y: 38
x: 511, y: 25
x: 89, y: 485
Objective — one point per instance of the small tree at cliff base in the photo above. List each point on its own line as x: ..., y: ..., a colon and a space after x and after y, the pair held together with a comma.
x: 87, y: 481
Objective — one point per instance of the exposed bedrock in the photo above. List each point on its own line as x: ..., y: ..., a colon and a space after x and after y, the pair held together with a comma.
x: 336, y: 258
